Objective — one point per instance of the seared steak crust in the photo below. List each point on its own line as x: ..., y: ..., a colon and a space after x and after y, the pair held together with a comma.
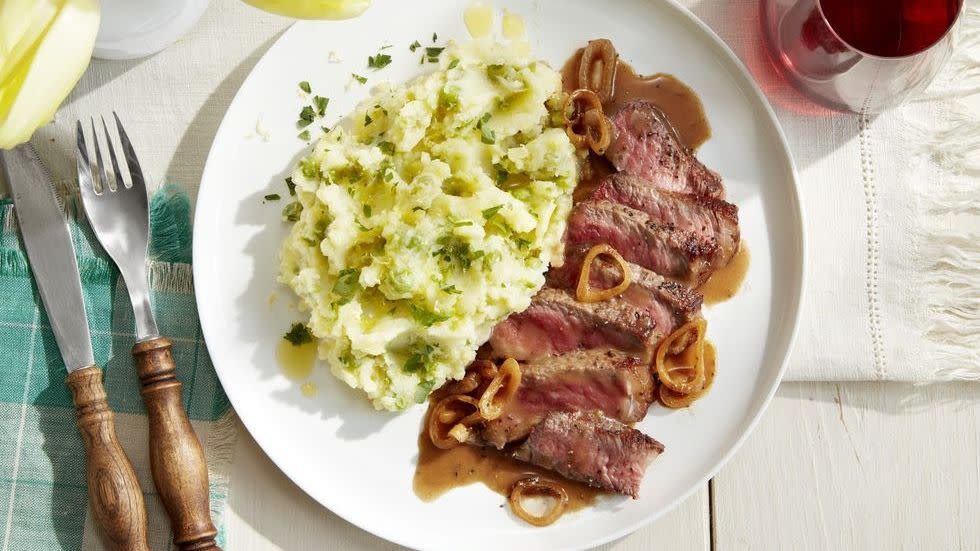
x: 592, y: 448
x: 646, y: 145
x: 618, y: 384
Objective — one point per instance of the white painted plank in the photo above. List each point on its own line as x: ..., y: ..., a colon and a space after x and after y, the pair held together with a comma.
x: 856, y: 466
x: 267, y: 511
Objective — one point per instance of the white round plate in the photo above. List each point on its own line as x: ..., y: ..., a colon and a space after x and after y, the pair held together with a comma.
x: 360, y: 462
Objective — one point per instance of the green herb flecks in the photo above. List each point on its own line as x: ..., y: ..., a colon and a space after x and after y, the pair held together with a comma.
x: 414, y: 46
x: 321, y: 103
x: 304, y: 135
x: 487, y: 135
x: 490, y: 212
x: 305, y: 86
x: 291, y: 212
x: 451, y: 290
x: 347, y: 285
x: 358, y: 78
x: 453, y: 64
x: 306, y: 116
x: 419, y: 358
x: 379, y: 61
x: 432, y: 54
x: 425, y: 317
x: 272, y: 197
x: 298, y: 334
x: 291, y: 185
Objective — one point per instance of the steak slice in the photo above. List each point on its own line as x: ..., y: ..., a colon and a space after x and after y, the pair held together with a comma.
x: 646, y: 145
x: 705, y: 216
x: 592, y: 448
x: 555, y: 323
x: 616, y: 383
x: 683, y: 256
x: 669, y: 303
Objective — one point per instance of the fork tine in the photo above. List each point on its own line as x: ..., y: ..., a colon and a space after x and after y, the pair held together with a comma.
x: 102, y: 176
x: 120, y: 181
x: 82, y: 164
x: 135, y: 172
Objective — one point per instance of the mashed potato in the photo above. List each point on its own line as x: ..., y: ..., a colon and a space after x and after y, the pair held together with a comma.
x: 430, y: 218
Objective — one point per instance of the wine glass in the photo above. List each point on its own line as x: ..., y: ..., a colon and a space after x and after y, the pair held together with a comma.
x: 859, y: 55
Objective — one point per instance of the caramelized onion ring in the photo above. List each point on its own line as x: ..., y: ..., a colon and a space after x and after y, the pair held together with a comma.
x: 599, y: 130
x: 466, y: 385
x: 579, y: 102
x: 695, y: 382
x: 446, y: 415
x: 584, y: 291
x: 501, y: 390
x: 585, y: 123
x: 676, y: 400
x: 535, y: 486
x: 597, y: 68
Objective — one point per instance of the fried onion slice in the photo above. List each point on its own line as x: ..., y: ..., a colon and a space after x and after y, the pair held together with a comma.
x: 501, y: 390
x: 672, y: 375
x: 532, y: 486
x: 447, y: 415
x: 597, y: 68
x: 584, y: 291
x: 676, y: 400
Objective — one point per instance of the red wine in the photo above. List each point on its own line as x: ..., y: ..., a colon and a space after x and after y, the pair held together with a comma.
x: 890, y: 28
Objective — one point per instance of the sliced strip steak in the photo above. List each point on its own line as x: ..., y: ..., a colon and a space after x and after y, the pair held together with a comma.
x: 669, y: 303
x: 556, y: 323
x: 705, y: 216
x: 592, y: 448
x: 683, y: 256
x: 618, y: 384
x: 646, y: 145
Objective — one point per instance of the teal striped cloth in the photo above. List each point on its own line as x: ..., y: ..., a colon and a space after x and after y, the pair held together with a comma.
x: 43, y: 495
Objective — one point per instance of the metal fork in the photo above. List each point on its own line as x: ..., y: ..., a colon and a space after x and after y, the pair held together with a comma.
x: 119, y: 215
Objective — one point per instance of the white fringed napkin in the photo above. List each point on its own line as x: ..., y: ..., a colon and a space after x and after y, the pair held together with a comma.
x: 893, y: 218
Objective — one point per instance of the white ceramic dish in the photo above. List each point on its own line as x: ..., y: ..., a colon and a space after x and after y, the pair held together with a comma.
x: 359, y: 462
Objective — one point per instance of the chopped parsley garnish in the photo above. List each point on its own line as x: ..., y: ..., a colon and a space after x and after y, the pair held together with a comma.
x: 321, y: 103
x: 347, y: 284
x: 387, y: 148
x: 304, y: 135
x: 453, y: 63
x: 379, y: 61
x: 367, y: 119
x: 419, y: 357
x: 435, y: 37
x: 386, y: 46
x: 455, y: 250
x: 298, y: 334
x: 358, y: 78
x: 502, y: 173
x: 490, y: 212
x: 325, y: 129
x: 306, y: 116
x: 309, y: 168
x: 418, y: 208
x: 451, y: 290
x: 522, y: 243
x: 366, y: 209
x: 486, y: 135
x: 291, y: 212
x: 415, y: 46
x: 361, y: 226
x: 305, y: 86
x: 425, y: 317
x: 462, y: 223
x: 433, y: 53
x: 272, y: 197
x: 291, y: 185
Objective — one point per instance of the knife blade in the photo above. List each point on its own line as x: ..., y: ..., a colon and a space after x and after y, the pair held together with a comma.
x: 44, y: 229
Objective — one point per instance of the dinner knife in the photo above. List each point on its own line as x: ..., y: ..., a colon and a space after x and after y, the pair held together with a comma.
x: 114, y: 493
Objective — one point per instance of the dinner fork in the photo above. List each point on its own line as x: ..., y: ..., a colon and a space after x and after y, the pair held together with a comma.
x: 119, y: 215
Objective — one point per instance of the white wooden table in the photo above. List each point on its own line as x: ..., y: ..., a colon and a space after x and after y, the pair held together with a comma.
x: 831, y: 466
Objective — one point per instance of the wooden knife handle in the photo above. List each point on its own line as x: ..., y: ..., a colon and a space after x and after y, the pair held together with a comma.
x: 180, y: 471
x: 113, y: 491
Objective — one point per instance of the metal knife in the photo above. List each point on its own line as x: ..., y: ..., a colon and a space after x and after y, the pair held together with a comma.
x: 114, y: 492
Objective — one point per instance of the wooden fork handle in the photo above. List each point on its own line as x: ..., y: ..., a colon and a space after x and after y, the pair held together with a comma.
x: 180, y: 471
x: 113, y: 490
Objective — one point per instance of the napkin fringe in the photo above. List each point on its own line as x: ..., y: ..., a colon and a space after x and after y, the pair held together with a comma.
x: 221, y: 453
x: 949, y: 263
x: 171, y: 276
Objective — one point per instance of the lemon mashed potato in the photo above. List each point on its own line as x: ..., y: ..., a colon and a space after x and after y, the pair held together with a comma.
x: 432, y: 216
